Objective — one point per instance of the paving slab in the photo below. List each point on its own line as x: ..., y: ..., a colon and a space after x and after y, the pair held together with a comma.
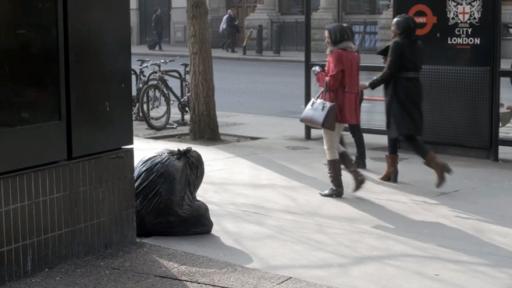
x: 145, y: 266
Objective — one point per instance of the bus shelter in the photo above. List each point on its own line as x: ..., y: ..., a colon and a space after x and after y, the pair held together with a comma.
x: 462, y: 74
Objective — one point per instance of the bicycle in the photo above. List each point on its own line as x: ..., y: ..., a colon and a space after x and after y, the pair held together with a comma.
x: 141, y: 79
x: 156, y: 97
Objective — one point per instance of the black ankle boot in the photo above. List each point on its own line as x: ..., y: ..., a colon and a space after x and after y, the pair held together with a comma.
x: 357, y: 134
x: 360, y: 163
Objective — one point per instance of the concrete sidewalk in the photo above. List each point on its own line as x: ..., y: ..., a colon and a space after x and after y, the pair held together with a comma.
x: 263, y: 197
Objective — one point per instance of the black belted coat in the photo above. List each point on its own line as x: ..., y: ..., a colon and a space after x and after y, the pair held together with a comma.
x: 403, y: 90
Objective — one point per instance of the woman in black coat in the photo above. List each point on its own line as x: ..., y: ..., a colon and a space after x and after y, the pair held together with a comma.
x: 403, y: 93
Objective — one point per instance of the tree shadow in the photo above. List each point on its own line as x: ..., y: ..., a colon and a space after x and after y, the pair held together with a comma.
x: 434, y: 233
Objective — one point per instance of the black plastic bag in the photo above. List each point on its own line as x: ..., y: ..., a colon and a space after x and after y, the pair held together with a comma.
x: 165, y: 190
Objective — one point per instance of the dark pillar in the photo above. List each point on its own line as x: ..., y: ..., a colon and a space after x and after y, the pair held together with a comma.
x: 307, y: 61
x: 276, y: 38
x: 259, y: 40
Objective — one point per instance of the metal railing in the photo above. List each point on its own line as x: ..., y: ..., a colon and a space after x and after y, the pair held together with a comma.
x: 291, y: 34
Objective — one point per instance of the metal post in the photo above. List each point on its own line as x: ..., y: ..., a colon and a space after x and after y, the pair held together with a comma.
x: 307, y: 61
x: 496, y: 82
x: 259, y: 40
x: 276, y: 38
x: 339, y: 15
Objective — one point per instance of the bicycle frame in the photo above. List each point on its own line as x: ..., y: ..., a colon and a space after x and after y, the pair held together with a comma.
x: 162, y: 81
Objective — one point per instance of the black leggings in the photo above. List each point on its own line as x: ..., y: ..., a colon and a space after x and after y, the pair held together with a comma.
x: 416, y: 144
x: 357, y: 135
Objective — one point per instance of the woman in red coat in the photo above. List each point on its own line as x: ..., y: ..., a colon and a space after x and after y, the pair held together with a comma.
x: 341, y: 83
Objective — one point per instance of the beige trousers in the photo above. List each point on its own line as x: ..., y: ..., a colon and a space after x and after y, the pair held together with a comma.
x: 332, y: 145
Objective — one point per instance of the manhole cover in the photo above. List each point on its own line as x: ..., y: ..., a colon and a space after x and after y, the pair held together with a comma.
x: 295, y: 148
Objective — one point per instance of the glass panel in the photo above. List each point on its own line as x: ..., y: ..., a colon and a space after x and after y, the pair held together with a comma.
x: 373, y: 113
x: 373, y: 110
x: 371, y: 22
x: 359, y: 6
x: 29, y: 62
x: 291, y: 7
x: 506, y: 82
x: 365, y: 35
x: 506, y: 105
x: 366, y: 7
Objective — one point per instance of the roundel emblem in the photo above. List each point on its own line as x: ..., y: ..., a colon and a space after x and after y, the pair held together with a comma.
x: 424, y: 17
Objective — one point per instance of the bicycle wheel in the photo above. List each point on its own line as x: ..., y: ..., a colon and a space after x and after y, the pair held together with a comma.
x: 155, y: 106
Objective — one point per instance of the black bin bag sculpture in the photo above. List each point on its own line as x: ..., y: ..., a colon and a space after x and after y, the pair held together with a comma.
x: 165, y: 190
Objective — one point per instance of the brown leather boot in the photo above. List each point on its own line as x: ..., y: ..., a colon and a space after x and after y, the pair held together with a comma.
x: 334, y: 170
x: 391, y: 173
x: 439, y: 167
x: 359, y: 178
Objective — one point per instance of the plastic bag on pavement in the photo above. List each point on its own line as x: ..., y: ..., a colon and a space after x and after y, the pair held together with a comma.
x: 165, y: 190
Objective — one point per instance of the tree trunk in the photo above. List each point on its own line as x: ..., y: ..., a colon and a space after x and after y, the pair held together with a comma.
x: 203, y: 115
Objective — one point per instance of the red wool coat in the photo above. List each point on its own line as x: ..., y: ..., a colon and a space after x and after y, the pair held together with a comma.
x: 341, y: 80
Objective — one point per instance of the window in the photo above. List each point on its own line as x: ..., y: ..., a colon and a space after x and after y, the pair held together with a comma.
x: 291, y: 7
x: 296, y: 7
x: 366, y: 7
x: 29, y: 51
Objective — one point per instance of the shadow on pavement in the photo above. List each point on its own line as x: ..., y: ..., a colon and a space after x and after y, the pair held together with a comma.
x: 434, y: 233
x: 204, y: 245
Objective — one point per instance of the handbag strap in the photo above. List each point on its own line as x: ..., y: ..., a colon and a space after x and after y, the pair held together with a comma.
x: 320, y: 93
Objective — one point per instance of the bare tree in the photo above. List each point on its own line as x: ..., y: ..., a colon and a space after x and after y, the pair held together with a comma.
x: 203, y: 115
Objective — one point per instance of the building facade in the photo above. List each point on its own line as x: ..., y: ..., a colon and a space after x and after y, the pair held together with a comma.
x: 370, y: 20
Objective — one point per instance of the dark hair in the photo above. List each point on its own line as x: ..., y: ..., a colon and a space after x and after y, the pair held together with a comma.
x: 406, y: 26
x: 350, y: 31
x: 339, y: 33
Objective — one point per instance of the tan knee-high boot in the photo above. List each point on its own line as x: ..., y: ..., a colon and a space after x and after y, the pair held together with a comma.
x: 334, y: 171
x: 391, y: 173
x: 439, y: 167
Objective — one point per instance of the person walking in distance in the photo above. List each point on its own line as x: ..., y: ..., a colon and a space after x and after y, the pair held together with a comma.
x: 158, y: 27
x: 341, y: 85
x: 223, y: 30
x: 403, y: 94
x: 232, y: 30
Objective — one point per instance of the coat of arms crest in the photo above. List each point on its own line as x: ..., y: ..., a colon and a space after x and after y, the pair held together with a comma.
x: 464, y: 11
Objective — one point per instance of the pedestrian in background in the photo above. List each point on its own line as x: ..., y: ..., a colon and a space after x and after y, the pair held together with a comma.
x: 232, y: 30
x: 403, y: 93
x: 223, y: 30
x: 158, y: 27
x: 341, y: 85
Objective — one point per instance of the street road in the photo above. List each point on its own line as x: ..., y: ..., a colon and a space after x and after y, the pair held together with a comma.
x: 277, y: 89
x: 270, y: 88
